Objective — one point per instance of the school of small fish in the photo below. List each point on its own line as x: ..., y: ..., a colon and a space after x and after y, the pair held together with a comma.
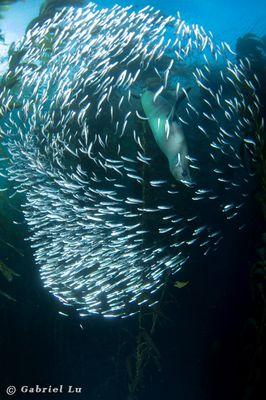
x: 107, y: 219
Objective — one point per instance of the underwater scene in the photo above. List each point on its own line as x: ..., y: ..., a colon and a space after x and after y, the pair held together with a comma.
x: 132, y: 200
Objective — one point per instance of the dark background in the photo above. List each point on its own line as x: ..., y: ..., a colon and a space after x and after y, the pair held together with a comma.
x: 203, y: 339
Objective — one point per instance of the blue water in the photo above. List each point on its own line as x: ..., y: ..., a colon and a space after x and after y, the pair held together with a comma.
x: 226, y: 19
x: 201, y: 344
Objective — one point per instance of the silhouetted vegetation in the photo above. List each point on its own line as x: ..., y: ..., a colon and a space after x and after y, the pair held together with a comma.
x: 253, y: 47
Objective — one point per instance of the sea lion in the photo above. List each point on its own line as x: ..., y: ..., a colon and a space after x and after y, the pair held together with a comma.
x: 168, y: 133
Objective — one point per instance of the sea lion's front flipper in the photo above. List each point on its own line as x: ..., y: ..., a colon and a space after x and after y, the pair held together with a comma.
x: 173, y: 116
x: 136, y: 96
